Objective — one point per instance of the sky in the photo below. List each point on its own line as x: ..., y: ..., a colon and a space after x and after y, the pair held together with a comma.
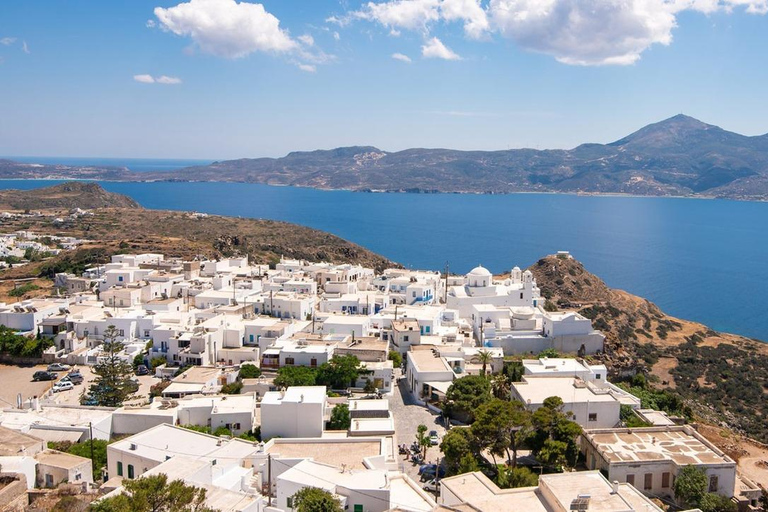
x: 218, y: 79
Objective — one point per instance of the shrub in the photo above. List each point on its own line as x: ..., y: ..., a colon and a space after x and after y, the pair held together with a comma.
x: 249, y: 371
x: 232, y: 389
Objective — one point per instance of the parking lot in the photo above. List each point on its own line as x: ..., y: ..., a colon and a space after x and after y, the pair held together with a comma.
x: 18, y: 379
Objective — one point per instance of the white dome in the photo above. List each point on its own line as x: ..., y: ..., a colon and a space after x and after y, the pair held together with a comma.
x: 479, y: 271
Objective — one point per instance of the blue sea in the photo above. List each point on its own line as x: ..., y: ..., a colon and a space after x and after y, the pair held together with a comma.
x: 703, y: 260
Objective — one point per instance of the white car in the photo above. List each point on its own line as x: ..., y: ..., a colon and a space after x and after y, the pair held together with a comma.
x: 58, y: 367
x: 63, y: 386
x: 432, y: 486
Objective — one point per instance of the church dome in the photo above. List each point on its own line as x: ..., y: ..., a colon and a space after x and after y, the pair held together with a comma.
x: 479, y: 271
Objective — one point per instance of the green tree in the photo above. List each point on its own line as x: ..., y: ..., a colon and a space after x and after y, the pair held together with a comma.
x: 712, y: 502
x: 232, y: 389
x: 422, y: 439
x: 137, y: 360
x: 340, y: 372
x: 465, y: 395
x: 484, y: 357
x: 549, y: 425
x: 396, y: 358
x: 113, y: 382
x: 509, y: 478
x: 690, y: 486
x: 155, y: 494
x: 369, y: 387
x: 514, y: 370
x: 312, y: 499
x: 157, y: 361
x: 500, y: 386
x: 288, y: 376
x: 500, y: 426
x: 99, y: 454
x: 249, y: 371
x: 458, y: 446
x: 340, y: 419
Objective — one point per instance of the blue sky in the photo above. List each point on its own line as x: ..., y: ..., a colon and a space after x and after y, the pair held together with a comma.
x: 221, y: 79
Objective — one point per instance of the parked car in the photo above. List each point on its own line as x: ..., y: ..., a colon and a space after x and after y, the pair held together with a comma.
x: 429, y: 472
x: 63, y: 385
x: 75, y: 377
x: 44, y: 375
x: 433, y: 439
x: 142, y: 370
x: 58, y: 367
x: 432, y: 486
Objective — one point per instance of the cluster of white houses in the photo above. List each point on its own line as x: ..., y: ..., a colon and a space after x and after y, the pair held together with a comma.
x: 216, y: 316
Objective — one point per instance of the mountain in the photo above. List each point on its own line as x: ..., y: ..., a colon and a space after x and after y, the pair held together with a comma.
x: 64, y: 196
x: 678, y: 156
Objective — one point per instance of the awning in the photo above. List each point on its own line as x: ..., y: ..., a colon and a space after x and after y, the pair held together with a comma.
x: 440, y: 386
x: 56, y: 436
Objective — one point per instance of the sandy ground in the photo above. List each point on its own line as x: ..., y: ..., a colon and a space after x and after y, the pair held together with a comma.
x: 73, y: 397
x: 751, y: 458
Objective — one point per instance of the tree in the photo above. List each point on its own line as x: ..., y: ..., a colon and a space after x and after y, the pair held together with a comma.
x: 712, y: 502
x: 369, y: 387
x: 551, y: 426
x: 509, y: 478
x: 514, y: 370
x: 249, y: 371
x: 396, y: 358
x: 340, y: 372
x: 458, y: 447
x: 500, y: 425
x: 113, y: 382
x: 690, y: 486
x: 233, y: 388
x: 484, y: 357
x: 312, y: 499
x: 288, y: 376
x: 99, y: 454
x: 422, y: 439
x: 155, y: 494
x: 340, y: 419
x: 500, y: 386
x: 465, y: 395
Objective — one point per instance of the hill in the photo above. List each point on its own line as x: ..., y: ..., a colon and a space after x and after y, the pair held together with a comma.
x: 722, y: 377
x: 114, y: 230
x: 64, y: 196
x: 679, y: 156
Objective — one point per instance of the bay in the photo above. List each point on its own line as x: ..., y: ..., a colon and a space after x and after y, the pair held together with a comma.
x: 703, y: 260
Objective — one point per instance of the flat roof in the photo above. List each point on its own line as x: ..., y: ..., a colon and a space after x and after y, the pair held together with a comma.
x: 681, y: 445
x: 14, y: 443
x: 427, y: 361
x: 538, y: 389
x: 347, y: 452
x: 60, y: 459
x: 295, y: 394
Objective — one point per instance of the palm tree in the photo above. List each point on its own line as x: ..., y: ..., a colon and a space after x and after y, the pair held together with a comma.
x: 500, y: 386
x: 484, y: 357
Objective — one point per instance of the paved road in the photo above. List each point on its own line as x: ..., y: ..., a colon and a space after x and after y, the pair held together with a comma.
x: 408, y: 416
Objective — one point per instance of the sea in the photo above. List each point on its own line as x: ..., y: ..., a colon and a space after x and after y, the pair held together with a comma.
x: 702, y: 260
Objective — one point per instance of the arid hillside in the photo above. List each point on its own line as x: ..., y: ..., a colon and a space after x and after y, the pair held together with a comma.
x: 722, y: 377
x: 65, y: 196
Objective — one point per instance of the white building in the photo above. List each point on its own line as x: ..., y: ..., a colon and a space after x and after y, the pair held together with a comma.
x: 299, y: 411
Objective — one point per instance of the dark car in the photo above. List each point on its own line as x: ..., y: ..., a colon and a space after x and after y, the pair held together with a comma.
x: 75, y: 377
x: 142, y: 370
x: 44, y: 375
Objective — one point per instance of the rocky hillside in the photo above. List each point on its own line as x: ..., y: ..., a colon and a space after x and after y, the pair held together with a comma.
x: 64, y: 196
x: 722, y: 377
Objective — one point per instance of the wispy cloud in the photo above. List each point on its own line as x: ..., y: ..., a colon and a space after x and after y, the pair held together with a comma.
x: 309, y: 68
x: 25, y: 48
x: 401, y: 57
x: 162, y: 79
x: 7, y: 41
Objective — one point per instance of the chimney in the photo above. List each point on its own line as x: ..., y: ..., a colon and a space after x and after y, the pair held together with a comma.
x: 615, y: 486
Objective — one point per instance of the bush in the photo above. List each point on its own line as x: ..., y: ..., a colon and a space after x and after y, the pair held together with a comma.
x: 340, y: 419
x: 157, y: 361
x: 23, y: 290
x: 232, y: 389
x: 249, y: 371
x: 157, y: 389
x: 396, y: 358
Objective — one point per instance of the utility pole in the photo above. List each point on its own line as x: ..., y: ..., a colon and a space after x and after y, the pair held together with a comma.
x: 271, y: 305
x: 445, y: 291
x: 395, y: 312
x: 269, y: 478
x: 90, y: 436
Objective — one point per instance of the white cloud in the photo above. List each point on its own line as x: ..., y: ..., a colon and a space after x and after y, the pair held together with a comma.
x: 25, y: 48
x: 163, y: 79
x: 401, y: 57
x: 309, y: 68
x: 599, y: 32
x: 473, y: 15
x: 144, y: 79
x: 226, y: 28
x: 151, y: 24
x: 402, y: 14
x: 7, y: 41
x: 435, y: 49
x: 307, y: 39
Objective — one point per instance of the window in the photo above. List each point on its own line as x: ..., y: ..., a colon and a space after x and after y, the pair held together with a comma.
x: 236, y: 426
x: 648, y: 483
x: 521, y: 295
x: 289, y: 360
x: 631, y: 479
x: 665, y: 480
x: 289, y: 502
x: 49, y: 480
x: 358, y: 508
x: 120, y: 278
x: 593, y: 416
x: 713, y: 481
x: 121, y: 332
x: 597, y: 376
x: 119, y: 469
x: 130, y: 470
x: 313, y: 362
x: 405, y: 338
x: 146, y: 333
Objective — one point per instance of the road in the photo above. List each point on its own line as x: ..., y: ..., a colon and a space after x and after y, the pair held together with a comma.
x: 18, y: 379
x: 408, y: 416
